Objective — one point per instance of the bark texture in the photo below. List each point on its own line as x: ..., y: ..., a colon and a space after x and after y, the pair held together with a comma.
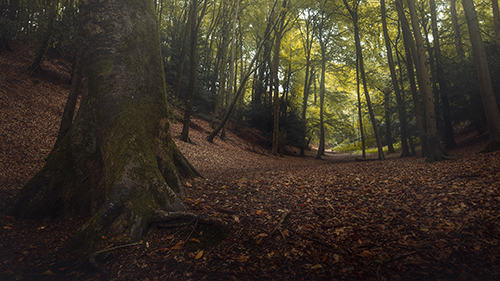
x: 117, y: 163
x: 483, y: 74
x: 435, y: 149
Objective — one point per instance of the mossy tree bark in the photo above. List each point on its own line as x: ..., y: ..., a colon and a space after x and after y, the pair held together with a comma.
x: 117, y: 163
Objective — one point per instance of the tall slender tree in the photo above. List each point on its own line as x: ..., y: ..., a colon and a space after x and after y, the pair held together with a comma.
x: 194, y: 26
x: 443, y: 87
x: 353, y: 11
x: 401, y: 106
x: 411, y: 59
x: 456, y: 31
x: 483, y: 74
x: 278, y: 33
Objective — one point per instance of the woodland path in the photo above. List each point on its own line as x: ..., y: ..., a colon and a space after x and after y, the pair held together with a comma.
x: 288, y: 218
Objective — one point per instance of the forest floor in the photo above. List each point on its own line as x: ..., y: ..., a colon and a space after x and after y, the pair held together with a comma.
x: 287, y: 218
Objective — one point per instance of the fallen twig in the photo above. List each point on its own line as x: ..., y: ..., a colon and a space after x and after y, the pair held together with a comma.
x: 286, y: 215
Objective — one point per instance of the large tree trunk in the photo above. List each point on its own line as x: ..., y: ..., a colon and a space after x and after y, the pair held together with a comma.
x: 435, y: 149
x: 401, y: 107
x: 117, y: 163
x: 483, y: 74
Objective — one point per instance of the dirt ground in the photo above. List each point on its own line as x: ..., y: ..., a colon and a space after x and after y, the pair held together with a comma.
x: 286, y: 218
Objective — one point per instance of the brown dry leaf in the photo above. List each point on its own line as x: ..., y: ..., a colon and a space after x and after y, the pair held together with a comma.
x: 199, y: 255
x: 365, y: 254
x: 259, y: 238
x: 194, y: 240
x: 243, y: 258
x: 48, y: 273
x: 178, y: 246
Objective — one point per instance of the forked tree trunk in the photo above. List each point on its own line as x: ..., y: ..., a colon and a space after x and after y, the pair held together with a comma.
x: 435, y: 149
x: 117, y: 163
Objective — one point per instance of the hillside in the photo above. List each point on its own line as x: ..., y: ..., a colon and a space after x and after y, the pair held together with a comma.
x: 287, y: 218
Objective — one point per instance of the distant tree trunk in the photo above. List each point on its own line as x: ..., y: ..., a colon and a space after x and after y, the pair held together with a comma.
x: 496, y: 21
x: 435, y: 149
x: 456, y: 32
x: 182, y: 56
x: 354, y: 15
x: 274, y: 76
x: 411, y: 56
x: 221, y: 73
x: 192, y: 71
x: 483, y: 74
x: 231, y: 64
x: 401, y: 106
x: 443, y: 87
x: 117, y: 163
x: 321, y: 147
x: 243, y: 81
x: 307, y: 42
x: 360, y: 114
x: 44, y: 44
x: 388, y: 130
x: 195, y: 26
